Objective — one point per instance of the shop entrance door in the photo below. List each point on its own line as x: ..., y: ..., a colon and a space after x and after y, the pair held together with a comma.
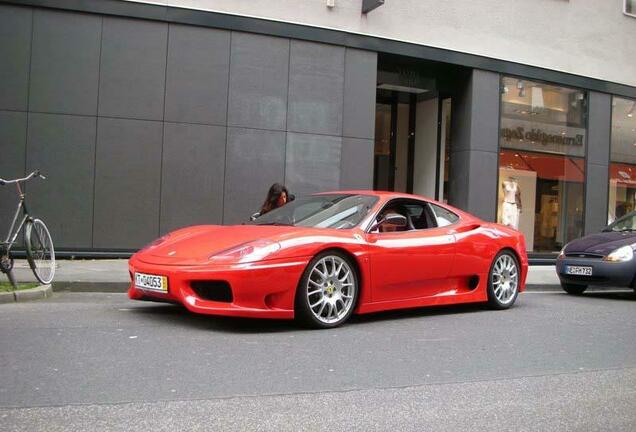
x: 411, y: 143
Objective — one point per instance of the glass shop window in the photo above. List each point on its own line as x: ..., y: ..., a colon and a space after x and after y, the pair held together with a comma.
x: 542, y: 162
x: 622, y: 175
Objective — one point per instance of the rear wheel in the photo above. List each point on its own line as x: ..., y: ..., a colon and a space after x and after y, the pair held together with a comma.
x: 40, y: 252
x: 328, y: 291
x: 503, y: 280
x: 573, y: 288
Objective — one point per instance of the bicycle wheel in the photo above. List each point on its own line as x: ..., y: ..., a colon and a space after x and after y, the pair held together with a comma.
x: 40, y: 252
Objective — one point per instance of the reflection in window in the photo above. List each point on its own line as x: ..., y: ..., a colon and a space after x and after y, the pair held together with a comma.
x: 622, y: 175
x: 541, y: 162
x: 443, y: 217
x: 630, y: 7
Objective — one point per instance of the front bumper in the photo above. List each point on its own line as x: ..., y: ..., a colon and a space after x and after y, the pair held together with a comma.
x: 603, y: 273
x: 263, y: 289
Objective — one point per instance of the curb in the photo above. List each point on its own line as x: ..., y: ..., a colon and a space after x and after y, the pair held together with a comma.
x: 37, y: 293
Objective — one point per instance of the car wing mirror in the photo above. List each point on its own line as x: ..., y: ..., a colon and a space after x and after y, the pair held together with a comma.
x: 391, y: 219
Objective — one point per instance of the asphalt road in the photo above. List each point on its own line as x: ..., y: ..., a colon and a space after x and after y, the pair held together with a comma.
x: 91, y: 361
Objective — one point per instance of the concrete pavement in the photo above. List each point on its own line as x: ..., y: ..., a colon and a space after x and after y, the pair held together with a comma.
x: 100, y: 362
x: 111, y: 275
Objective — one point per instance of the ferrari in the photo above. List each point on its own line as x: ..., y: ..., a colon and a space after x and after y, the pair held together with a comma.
x: 321, y: 258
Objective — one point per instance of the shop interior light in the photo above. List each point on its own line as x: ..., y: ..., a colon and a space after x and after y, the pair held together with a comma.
x: 522, y: 88
x: 630, y: 114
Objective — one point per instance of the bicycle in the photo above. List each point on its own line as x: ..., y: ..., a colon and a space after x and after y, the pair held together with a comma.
x: 39, y: 245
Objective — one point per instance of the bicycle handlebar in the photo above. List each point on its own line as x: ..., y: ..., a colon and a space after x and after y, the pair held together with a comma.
x: 35, y: 173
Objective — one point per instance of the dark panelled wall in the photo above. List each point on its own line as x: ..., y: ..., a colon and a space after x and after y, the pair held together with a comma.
x: 597, y: 163
x: 475, y: 144
x: 143, y: 127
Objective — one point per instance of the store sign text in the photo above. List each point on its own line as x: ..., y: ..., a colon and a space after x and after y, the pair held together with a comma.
x: 537, y: 135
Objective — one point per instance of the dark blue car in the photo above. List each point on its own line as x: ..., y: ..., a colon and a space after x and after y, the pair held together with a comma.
x: 606, y: 258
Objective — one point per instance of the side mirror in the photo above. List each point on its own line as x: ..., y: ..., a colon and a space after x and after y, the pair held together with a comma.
x: 391, y: 219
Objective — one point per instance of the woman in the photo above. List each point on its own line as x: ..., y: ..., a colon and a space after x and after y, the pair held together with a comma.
x: 277, y: 196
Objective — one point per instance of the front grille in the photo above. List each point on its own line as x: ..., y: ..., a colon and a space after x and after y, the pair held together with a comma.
x: 219, y: 291
x: 583, y: 255
x: 579, y: 278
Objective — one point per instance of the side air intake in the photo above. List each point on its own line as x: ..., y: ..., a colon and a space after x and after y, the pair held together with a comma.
x: 219, y: 291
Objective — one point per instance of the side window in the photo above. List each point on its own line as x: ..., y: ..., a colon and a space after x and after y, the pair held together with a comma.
x: 442, y: 216
x: 418, y: 215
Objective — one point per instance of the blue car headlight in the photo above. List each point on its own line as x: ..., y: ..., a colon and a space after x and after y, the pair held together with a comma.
x: 562, y: 253
x: 622, y: 254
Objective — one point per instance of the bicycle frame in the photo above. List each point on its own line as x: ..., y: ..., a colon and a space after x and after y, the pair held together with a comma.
x: 11, y: 235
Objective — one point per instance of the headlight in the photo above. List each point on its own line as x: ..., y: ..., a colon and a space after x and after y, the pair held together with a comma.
x: 622, y: 254
x: 562, y: 253
x: 247, y: 252
x: 155, y: 243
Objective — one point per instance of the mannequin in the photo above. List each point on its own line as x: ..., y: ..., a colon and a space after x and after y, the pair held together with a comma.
x: 511, y: 206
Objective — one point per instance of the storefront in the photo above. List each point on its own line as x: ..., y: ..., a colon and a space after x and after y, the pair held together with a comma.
x: 622, y: 183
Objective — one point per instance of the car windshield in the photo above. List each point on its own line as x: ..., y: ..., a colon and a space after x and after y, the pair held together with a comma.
x: 626, y: 223
x: 338, y: 211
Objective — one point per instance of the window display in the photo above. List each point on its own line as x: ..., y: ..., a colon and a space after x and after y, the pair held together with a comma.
x: 622, y: 175
x: 518, y: 212
x: 511, y: 206
x: 541, y: 162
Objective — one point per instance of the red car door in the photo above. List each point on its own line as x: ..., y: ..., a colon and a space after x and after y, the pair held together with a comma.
x: 410, y: 264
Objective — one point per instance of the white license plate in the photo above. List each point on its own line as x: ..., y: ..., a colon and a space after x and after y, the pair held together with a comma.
x: 151, y: 282
x: 579, y: 270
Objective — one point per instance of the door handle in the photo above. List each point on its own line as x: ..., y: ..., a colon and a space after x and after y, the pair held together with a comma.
x: 466, y: 228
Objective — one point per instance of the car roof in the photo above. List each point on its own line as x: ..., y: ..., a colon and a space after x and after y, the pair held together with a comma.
x: 372, y: 192
x: 385, y: 195
x: 389, y: 195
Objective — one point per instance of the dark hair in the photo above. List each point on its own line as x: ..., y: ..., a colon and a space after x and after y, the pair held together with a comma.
x: 275, y: 191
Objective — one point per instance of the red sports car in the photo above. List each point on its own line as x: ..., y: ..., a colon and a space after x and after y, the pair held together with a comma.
x: 323, y: 257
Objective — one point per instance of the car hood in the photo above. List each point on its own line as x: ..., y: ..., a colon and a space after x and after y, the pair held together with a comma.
x: 196, y: 244
x: 601, y: 243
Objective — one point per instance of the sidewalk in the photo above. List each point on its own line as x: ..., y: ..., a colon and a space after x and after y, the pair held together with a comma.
x: 111, y: 275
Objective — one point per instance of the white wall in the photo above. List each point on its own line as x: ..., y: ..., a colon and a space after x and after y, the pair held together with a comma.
x: 425, y: 160
x: 592, y: 38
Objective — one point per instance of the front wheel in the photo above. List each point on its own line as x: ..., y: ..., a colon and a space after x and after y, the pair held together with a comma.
x: 503, y: 280
x: 40, y: 252
x: 573, y: 288
x: 328, y: 291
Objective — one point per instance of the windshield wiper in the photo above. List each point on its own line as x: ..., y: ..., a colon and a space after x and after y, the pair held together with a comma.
x: 275, y: 224
x: 626, y: 230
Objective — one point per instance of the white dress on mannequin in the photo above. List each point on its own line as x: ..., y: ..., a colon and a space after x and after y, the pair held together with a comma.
x: 511, y: 205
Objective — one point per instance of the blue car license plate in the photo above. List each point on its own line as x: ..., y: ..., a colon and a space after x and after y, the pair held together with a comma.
x: 578, y: 270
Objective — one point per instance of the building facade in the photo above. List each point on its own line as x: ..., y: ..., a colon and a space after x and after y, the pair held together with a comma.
x: 149, y: 116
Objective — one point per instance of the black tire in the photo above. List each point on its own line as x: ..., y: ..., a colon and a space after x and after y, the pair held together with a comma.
x: 40, y: 251
x: 573, y: 289
x: 303, y: 310
x: 499, y: 301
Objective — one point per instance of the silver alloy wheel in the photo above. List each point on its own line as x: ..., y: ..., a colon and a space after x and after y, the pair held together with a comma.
x: 505, y: 279
x: 330, y: 289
